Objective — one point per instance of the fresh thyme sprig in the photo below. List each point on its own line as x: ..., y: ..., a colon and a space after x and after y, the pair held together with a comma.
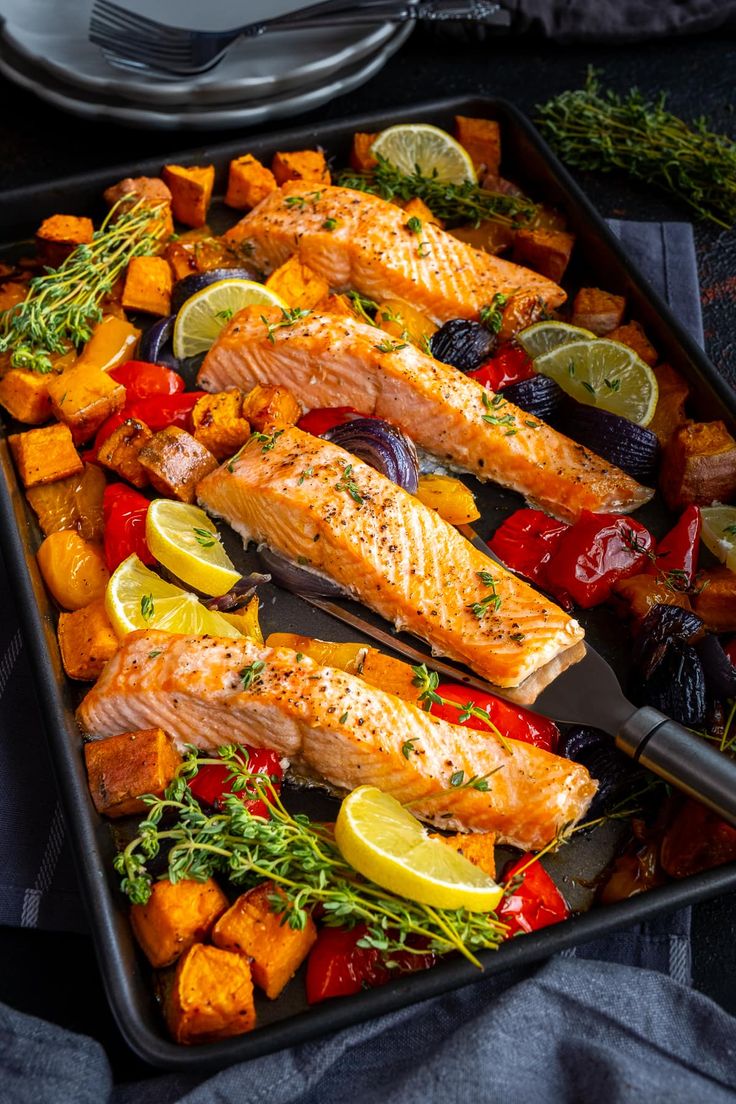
x: 347, y: 483
x: 593, y: 129
x: 289, y: 316
x: 428, y: 681
x: 453, y: 203
x: 300, y: 857
x: 363, y: 308
x: 63, y: 305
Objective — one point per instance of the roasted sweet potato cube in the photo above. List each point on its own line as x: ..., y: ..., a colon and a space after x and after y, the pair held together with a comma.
x: 45, y: 455
x: 491, y: 237
x: 71, y: 503
x: 477, y: 847
x: 598, y: 311
x: 248, y: 182
x: 25, y: 395
x: 86, y: 641
x: 120, y: 451
x: 393, y: 676
x: 698, y: 465
x: 545, y: 251
x: 632, y: 334
x: 306, y: 164
x: 481, y: 138
x: 176, y: 915
x: 635, y: 597
x: 121, y: 769
x: 297, y: 284
x: 210, y: 996
x: 191, y: 191
x: 417, y: 208
x: 148, y: 283
x: 251, y: 927
x: 673, y: 394
x: 60, y: 235
x: 84, y: 397
x: 151, y: 191
x: 361, y: 157
x: 715, y: 600
x: 335, y: 304
x: 11, y: 293
x: 218, y: 423
x: 176, y: 462
x: 270, y: 407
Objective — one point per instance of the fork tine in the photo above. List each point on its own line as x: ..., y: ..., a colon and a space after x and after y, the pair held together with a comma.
x: 118, y: 25
x: 130, y: 21
x: 138, y: 51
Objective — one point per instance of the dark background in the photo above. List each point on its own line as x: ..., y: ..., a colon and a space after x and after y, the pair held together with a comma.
x: 55, y: 975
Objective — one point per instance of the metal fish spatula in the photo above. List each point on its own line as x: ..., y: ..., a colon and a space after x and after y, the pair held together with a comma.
x: 588, y: 693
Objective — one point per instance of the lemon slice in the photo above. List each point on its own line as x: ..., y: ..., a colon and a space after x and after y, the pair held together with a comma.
x: 137, y: 598
x: 719, y: 533
x: 205, y: 313
x: 185, y: 541
x: 433, y: 152
x: 385, y: 843
x: 604, y: 374
x: 542, y: 337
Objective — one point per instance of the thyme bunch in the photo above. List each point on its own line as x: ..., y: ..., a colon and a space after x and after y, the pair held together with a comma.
x: 453, y: 203
x: 64, y: 303
x: 299, y: 856
x: 595, y: 129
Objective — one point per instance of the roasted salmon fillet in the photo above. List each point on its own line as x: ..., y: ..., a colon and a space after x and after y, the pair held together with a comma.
x: 323, y: 508
x: 370, y: 249
x: 326, y: 360
x: 335, y: 726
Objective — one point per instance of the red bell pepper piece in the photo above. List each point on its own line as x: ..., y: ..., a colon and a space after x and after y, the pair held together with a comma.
x: 526, y: 541
x: 322, y: 418
x: 534, y: 903
x: 697, y: 840
x: 338, y: 967
x: 677, y: 552
x: 509, y: 365
x: 212, y: 782
x: 124, y: 511
x: 141, y: 379
x: 511, y: 720
x: 593, y: 554
x: 155, y: 411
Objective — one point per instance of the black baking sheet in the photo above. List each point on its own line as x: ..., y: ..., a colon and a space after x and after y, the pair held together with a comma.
x: 127, y: 978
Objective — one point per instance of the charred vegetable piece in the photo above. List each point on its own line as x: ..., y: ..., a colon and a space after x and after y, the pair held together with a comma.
x: 662, y: 624
x: 698, y: 465
x: 155, y: 411
x: 59, y: 235
x: 338, y: 966
x: 670, y: 410
x: 545, y: 251
x: 539, y: 396
x: 481, y: 138
x: 176, y: 462
x: 533, y: 900
x: 120, y: 452
x: 697, y: 840
x: 598, y: 311
x: 253, y: 928
x: 73, y: 569
x: 636, y: 596
x: 72, y: 503
x: 45, y: 455
x: 634, y: 337
x: 715, y: 599
x: 720, y: 673
x: 510, y: 365
x: 189, y: 285
x: 381, y: 445
x: 267, y: 408
x: 155, y: 343
x: 631, y: 447
x: 593, y: 554
x: 219, y: 425
x: 121, y: 768
x: 176, y: 915
x: 608, y: 766
x: 125, y: 525
x: 306, y: 164
x: 676, y: 555
x: 677, y: 685
x: 210, y: 996
x: 462, y: 343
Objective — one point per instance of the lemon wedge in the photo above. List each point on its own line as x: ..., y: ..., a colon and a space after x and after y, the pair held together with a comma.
x: 719, y: 533
x: 385, y: 843
x: 433, y: 152
x: 207, y: 312
x: 137, y: 598
x: 185, y: 541
x: 604, y: 374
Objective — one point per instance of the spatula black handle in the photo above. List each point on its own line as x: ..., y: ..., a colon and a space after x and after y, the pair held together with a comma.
x: 689, y: 763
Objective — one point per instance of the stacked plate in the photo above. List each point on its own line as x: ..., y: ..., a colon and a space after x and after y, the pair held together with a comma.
x: 44, y: 47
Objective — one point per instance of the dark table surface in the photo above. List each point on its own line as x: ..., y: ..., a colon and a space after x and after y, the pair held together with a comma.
x: 55, y: 975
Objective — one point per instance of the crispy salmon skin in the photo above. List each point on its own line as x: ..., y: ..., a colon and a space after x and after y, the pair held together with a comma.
x: 326, y: 360
x: 323, y: 508
x: 333, y: 725
x: 367, y: 246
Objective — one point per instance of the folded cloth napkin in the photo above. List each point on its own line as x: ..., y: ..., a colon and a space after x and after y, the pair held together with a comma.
x: 558, y: 1032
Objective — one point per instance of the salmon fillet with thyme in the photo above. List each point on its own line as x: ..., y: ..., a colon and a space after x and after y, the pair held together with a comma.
x: 361, y: 242
x: 326, y: 360
x: 319, y: 506
x: 332, y: 725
